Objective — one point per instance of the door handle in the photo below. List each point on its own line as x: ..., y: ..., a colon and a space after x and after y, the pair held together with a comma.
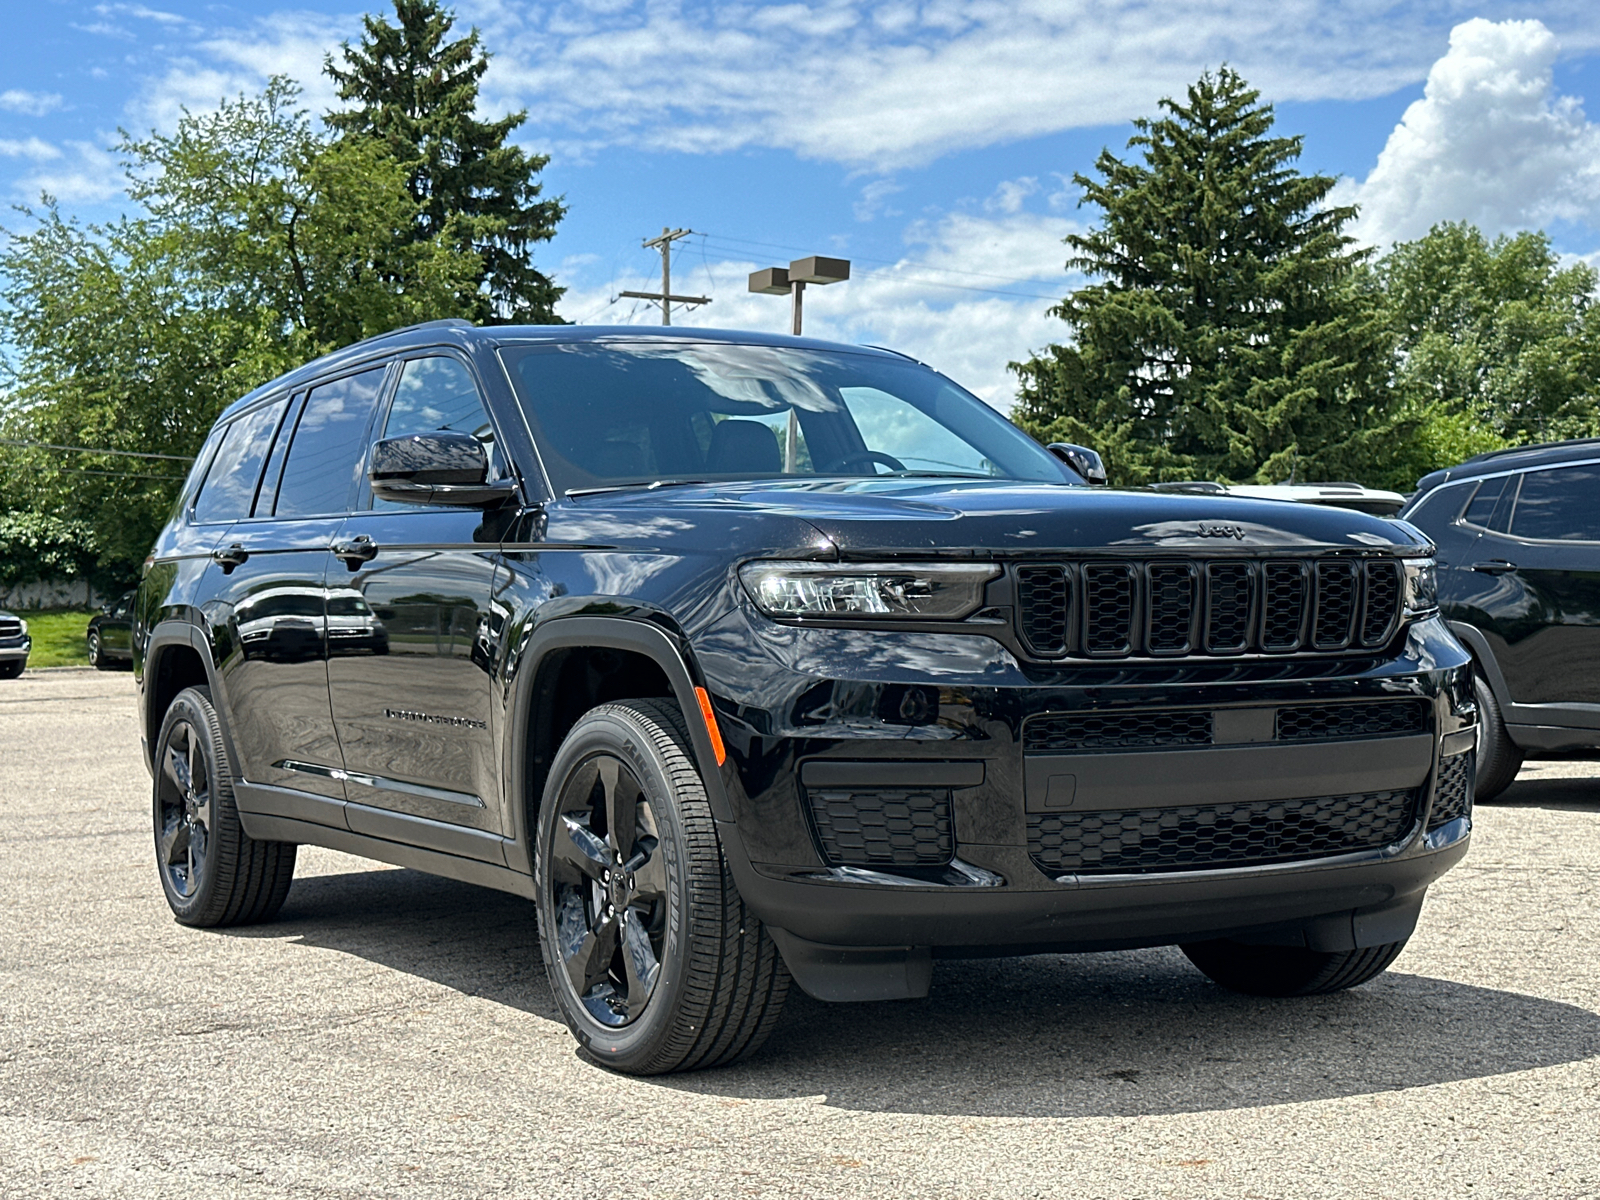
x: 1494, y: 566
x: 231, y: 557
x: 359, y: 549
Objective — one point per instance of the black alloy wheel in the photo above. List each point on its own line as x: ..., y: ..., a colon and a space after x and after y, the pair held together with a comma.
x: 212, y: 872
x: 1498, y: 758
x: 652, y: 956
x: 610, y: 890
x: 97, y: 657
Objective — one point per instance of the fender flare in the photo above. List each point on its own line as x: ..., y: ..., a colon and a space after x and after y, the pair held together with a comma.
x: 170, y: 632
x: 1483, y: 657
x: 610, y: 633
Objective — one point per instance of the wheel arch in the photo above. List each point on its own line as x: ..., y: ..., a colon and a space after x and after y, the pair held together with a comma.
x: 548, y: 698
x: 1483, y: 658
x: 177, y: 656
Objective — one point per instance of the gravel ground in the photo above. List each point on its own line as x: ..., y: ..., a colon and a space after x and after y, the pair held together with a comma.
x: 392, y: 1034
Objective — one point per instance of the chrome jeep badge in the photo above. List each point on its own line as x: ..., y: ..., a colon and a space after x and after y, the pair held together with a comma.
x: 1233, y: 531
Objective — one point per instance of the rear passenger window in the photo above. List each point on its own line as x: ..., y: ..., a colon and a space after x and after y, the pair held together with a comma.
x: 1561, y: 504
x: 230, y: 486
x: 1481, y: 508
x: 320, y: 472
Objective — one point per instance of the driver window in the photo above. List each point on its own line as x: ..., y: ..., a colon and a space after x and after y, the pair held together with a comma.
x: 894, y: 428
x: 434, y: 394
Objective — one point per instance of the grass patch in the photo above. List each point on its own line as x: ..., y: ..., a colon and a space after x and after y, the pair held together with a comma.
x: 59, y: 638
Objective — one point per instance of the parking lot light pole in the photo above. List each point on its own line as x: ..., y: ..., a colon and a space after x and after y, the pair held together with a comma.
x: 775, y: 281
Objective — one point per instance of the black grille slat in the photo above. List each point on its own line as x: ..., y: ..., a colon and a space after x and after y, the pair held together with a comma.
x: 883, y: 827
x: 1044, y: 597
x: 1201, y: 837
x: 1362, y: 719
x: 1337, y: 602
x: 10, y: 628
x: 1108, y: 607
x: 1170, y: 605
x: 1380, y: 608
x: 1283, y: 605
x: 1230, y: 606
x: 1066, y: 733
x: 1452, y: 794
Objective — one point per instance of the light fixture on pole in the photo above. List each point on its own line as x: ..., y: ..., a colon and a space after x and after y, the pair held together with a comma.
x: 775, y: 281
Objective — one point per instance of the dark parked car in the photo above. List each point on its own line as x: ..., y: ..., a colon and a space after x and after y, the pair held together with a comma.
x: 110, y: 633
x: 15, y: 644
x: 1518, y: 533
x: 752, y: 658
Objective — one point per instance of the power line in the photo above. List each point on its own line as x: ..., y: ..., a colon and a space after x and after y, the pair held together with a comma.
x: 114, y: 474
x: 92, y: 450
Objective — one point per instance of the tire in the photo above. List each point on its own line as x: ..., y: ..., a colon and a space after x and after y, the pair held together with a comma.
x: 1289, y: 970
x: 212, y: 872
x: 1499, y: 759
x: 97, y: 655
x: 12, y: 669
x: 718, y: 982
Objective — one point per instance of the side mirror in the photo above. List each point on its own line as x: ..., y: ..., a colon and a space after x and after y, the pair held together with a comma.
x: 443, y: 467
x: 1084, y: 461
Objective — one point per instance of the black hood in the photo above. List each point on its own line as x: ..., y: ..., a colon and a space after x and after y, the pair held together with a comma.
x: 908, y: 516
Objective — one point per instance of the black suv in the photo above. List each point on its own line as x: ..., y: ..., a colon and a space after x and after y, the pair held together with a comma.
x: 752, y: 658
x: 1518, y: 533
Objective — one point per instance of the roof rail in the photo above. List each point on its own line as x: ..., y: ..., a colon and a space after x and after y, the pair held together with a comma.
x: 1484, y: 457
x: 442, y: 323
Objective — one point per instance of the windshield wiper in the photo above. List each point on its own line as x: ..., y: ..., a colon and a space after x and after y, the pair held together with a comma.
x: 642, y: 485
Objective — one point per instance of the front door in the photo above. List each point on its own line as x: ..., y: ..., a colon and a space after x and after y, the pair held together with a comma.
x: 408, y: 634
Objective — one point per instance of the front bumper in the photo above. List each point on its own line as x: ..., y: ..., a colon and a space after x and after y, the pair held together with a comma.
x: 841, y: 699
x: 11, y: 650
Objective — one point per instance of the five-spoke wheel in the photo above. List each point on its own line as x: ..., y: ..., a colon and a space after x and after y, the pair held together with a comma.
x: 183, y: 810
x: 653, y: 958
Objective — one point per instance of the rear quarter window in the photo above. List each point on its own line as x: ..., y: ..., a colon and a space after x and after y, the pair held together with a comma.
x: 230, y: 485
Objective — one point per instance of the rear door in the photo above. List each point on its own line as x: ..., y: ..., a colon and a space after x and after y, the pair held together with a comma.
x: 273, y: 593
x: 409, y: 656
x: 1542, y: 601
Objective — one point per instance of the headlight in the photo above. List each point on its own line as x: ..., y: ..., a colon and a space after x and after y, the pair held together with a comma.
x: 928, y: 591
x: 1422, y: 586
x: 24, y: 629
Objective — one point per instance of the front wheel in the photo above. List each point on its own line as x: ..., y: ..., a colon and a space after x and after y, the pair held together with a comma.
x: 97, y: 654
x: 654, y: 959
x: 1289, y: 970
x: 12, y: 669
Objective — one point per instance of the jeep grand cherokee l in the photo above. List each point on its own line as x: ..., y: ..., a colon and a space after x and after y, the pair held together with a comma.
x: 754, y: 659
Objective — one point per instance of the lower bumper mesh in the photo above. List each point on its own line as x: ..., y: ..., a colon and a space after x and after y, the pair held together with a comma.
x: 881, y: 827
x: 1197, y: 837
x: 1452, y: 795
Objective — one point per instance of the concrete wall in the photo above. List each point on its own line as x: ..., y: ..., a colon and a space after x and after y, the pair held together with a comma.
x: 50, y: 593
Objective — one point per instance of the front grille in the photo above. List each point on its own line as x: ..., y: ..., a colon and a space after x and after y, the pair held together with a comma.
x: 882, y: 827
x: 1174, y: 608
x: 10, y: 627
x: 1200, y: 837
x: 1064, y: 733
x: 1452, y: 794
x: 1076, y: 733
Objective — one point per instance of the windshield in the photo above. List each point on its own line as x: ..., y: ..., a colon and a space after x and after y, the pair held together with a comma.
x: 624, y: 413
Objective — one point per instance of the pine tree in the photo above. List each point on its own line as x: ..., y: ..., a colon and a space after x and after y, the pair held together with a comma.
x: 417, y: 92
x: 1231, y: 332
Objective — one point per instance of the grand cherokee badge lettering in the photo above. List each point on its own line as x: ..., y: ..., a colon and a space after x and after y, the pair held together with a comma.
x: 403, y: 714
x: 1233, y: 531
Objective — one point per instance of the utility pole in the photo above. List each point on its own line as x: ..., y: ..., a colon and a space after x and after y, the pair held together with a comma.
x: 665, y: 297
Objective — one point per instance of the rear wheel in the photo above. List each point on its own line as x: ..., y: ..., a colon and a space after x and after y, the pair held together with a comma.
x: 212, y: 872
x: 652, y: 955
x: 1289, y: 970
x: 97, y: 654
x: 1499, y: 760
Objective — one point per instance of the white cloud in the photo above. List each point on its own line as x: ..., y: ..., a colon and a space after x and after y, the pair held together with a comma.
x: 140, y: 12
x: 1489, y: 142
x: 31, y: 104
x: 969, y: 297
x: 86, y: 174
x: 30, y: 148
x: 887, y: 86
x: 1010, y: 194
x: 874, y: 197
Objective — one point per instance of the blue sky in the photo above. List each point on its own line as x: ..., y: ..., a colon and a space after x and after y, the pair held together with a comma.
x: 930, y: 141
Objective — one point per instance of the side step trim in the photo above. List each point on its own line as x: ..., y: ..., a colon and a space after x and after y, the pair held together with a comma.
x: 284, y: 829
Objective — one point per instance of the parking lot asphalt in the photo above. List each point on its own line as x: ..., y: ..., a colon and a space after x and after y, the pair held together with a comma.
x: 393, y: 1034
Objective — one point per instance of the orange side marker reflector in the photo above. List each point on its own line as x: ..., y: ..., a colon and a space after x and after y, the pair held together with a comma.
x: 712, y: 731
